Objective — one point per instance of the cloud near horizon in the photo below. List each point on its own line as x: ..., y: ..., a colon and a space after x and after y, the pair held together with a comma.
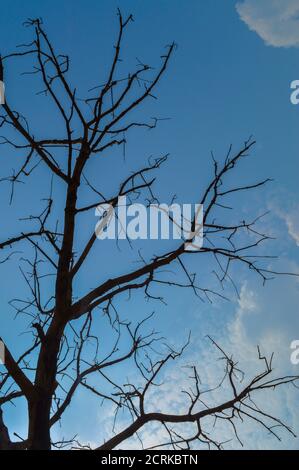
x: 236, y: 339
x: 275, y: 21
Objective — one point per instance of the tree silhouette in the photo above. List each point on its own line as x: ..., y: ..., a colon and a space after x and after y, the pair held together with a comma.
x: 59, y: 360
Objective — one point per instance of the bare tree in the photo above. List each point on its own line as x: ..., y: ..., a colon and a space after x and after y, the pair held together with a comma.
x: 58, y: 361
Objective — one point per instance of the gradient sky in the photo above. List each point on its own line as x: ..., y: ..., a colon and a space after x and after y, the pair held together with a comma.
x: 229, y: 79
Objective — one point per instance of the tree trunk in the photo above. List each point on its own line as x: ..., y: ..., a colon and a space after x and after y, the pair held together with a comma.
x: 45, y: 385
x: 5, y: 443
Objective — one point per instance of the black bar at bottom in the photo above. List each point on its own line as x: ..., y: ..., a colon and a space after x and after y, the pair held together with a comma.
x: 135, y: 459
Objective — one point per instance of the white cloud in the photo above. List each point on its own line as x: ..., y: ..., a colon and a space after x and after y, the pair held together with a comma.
x: 275, y: 21
x: 243, y: 345
x: 237, y: 339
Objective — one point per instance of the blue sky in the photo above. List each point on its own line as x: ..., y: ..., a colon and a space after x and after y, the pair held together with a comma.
x: 229, y: 79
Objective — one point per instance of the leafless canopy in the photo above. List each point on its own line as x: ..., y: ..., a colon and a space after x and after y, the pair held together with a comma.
x: 59, y: 360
